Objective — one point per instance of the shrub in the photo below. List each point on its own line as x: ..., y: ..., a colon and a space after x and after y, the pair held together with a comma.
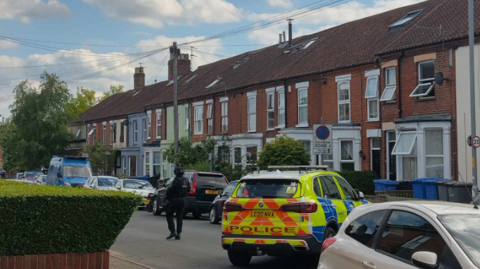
x: 283, y: 151
x: 48, y: 219
x: 360, y: 180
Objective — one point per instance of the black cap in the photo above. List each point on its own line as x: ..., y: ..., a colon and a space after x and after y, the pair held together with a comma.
x: 178, y: 171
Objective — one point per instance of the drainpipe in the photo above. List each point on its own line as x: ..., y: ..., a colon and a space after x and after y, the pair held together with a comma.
x: 399, y: 83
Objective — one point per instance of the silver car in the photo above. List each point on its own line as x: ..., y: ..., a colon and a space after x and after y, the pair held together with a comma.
x: 101, y: 183
x: 406, y: 235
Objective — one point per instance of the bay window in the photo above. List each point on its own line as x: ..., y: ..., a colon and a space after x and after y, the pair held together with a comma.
x: 434, y: 153
x: 347, y: 162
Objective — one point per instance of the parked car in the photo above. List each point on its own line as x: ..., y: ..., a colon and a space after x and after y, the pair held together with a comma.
x: 41, y: 180
x: 101, y: 183
x: 19, y: 175
x: 216, y: 208
x: 140, y: 187
x: 420, y: 234
x: 32, y: 175
x: 69, y: 171
x: 205, y: 186
x: 3, y: 173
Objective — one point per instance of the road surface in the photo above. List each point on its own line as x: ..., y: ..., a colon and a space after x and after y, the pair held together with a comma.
x: 143, y: 241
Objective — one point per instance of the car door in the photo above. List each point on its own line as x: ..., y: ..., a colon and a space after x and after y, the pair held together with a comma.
x: 349, y: 196
x: 162, y: 193
x: 332, y: 196
x: 404, y: 233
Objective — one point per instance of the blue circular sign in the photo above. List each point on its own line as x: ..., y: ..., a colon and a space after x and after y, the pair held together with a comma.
x: 322, y: 132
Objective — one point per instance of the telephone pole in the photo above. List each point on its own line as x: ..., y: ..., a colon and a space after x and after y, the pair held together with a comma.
x: 471, y: 44
x: 174, y: 52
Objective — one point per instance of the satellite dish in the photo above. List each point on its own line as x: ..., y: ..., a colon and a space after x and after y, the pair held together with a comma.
x: 439, y: 78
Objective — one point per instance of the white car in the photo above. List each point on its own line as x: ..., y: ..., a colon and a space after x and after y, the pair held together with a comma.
x: 105, y: 183
x: 140, y: 187
x: 420, y: 234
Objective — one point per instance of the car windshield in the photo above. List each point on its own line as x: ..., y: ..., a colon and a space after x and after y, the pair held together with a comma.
x: 230, y: 188
x: 77, y: 171
x: 137, y: 184
x: 464, y: 228
x: 34, y: 174
x: 268, y: 188
x: 107, y: 181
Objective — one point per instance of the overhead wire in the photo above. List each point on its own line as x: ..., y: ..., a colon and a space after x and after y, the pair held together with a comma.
x: 157, y: 69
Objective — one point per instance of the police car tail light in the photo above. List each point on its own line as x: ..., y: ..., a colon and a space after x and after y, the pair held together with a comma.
x: 232, y: 207
x: 327, y: 242
x: 304, y: 207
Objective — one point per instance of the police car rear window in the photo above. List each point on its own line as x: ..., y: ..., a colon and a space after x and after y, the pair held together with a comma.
x: 267, y: 188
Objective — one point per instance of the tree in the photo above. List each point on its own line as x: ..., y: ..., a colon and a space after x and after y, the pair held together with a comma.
x: 113, y: 90
x: 38, y: 126
x: 189, y: 155
x: 85, y: 99
x: 101, y: 158
x: 283, y: 151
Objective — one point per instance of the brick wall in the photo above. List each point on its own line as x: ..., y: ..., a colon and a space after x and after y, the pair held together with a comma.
x: 96, y: 260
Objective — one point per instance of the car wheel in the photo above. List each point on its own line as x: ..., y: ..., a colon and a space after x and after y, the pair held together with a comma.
x: 156, y: 211
x: 213, y: 216
x: 329, y: 232
x: 196, y: 215
x: 239, y: 258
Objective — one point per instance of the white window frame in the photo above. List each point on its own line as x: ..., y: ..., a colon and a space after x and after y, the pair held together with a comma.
x: 344, y: 102
x: 198, y: 117
x: 135, y: 132
x: 271, y: 93
x: 209, y: 117
x: 187, y: 118
x: 159, y: 123
x: 390, y: 88
x: 112, y: 134
x: 149, y: 124
x: 424, y: 82
x: 104, y: 133
x: 252, y: 96
x: 433, y: 156
x: 281, y: 107
x: 124, y: 163
x: 412, y: 146
x: 94, y: 133
x: 156, y: 164
x: 387, y: 147
x: 144, y: 127
x: 353, y: 153
x: 372, y: 75
x: 300, y: 88
x: 224, y: 115
x: 147, y: 162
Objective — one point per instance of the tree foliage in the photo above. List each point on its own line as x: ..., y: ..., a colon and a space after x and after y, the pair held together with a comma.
x: 38, y: 126
x: 101, y: 158
x: 113, y: 90
x: 84, y: 100
x: 283, y: 151
x: 189, y: 154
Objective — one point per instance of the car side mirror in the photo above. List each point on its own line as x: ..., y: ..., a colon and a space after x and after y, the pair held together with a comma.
x: 425, y: 259
x: 361, y: 195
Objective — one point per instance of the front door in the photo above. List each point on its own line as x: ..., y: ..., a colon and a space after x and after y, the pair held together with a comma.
x: 133, y: 165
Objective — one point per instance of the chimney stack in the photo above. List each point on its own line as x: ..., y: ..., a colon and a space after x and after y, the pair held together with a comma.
x: 183, y: 66
x: 284, y: 38
x: 280, y: 39
x: 138, y: 78
x: 290, y: 32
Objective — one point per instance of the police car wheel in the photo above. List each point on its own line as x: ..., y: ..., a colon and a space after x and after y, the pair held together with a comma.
x: 329, y: 232
x: 239, y: 258
x: 213, y: 216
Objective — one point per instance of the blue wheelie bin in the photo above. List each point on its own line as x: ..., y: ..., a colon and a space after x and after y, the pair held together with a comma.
x: 431, y: 189
x: 419, y: 187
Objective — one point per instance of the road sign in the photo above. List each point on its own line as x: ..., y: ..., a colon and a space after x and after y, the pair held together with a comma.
x: 322, y: 139
x: 476, y: 141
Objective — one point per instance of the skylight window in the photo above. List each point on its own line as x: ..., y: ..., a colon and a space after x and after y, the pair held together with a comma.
x: 301, y: 46
x: 310, y: 42
x: 136, y: 93
x: 237, y: 64
x: 170, y: 82
x: 406, y: 19
x: 190, y: 79
x: 214, y: 82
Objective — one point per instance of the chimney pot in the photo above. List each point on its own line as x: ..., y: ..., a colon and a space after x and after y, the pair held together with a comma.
x: 279, y: 39
x: 284, y: 38
x: 290, y: 32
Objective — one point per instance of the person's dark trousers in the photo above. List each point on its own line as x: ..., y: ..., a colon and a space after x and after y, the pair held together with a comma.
x: 177, y: 207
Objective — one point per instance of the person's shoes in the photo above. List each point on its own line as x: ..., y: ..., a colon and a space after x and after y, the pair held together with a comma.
x: 177, y: 237
x: 172, y: 235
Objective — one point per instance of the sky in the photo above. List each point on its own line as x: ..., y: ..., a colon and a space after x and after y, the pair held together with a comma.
x: 98, y: 43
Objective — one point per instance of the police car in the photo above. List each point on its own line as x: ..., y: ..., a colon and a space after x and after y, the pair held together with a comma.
x: 285, y: 212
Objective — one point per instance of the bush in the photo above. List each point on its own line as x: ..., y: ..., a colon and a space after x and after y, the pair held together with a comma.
x: 360, y: 180
x: 48, y: 219
x: 283, y: 151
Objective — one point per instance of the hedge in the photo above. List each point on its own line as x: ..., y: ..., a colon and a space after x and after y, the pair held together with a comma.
x: 48, y: 219
x: 361, y: 180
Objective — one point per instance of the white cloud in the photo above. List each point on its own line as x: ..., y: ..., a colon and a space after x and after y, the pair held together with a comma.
x: 7, y: 45
x: 157, y: 13
x: 25, y: 10
x: 280, y: 3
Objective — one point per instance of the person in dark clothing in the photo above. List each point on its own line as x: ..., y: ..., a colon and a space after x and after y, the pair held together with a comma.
x: 176, y: 195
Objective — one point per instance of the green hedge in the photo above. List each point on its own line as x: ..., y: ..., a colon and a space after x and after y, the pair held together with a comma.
x: 47, y: 219
x: 361, y: 180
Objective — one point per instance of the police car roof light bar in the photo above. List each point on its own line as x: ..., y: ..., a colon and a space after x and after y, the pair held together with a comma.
x: 300, y: 168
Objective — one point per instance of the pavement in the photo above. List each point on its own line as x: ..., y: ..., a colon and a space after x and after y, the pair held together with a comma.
x: 142, y: 244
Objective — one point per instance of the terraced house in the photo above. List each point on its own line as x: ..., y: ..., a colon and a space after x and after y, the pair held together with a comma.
x: 371, y: 81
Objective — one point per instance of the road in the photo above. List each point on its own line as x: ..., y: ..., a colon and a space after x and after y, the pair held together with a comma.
x: 143, y: 241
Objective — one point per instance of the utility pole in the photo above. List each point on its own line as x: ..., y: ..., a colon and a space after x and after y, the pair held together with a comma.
x: 471, y: 43
x: 175, y: 52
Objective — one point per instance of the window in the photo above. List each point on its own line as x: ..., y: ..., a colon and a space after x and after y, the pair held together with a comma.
x: 104, y: 134
x: 303, y: 106
x: 224, y: 117
x: 316, y: 187
x: 79, y: 132
x: 157, y: 163
x: 281, y: 108
x: 252, y: 155
x: 270, y: 110
x: 327, y: 159
x: 90, y: 134
x: 426, y: 77
x: 237, y: 157
x: 144, y: 127
x: 122, y: 132
x: 135, y: 132
x: 330, y: 189
x: 390, y: 84
x: 407, y: 233
x: 434, y: 153
x: 252, y: 113
x: 391, y: 158
x: 344, y: 101
x: 213, y: 83
x: 405, y: 143
x: 310, y: 42
x: 187, y: 118
x: 147, y: 163
x: 198, y: 119
x: 94, y: 134
x: 209, y: 118
x: 112, y: 132
x: 346, y: 156
x: 375, y: 155
x: 403, y: 21
x: 224, y: 154
x: 159, y: 124
x: 165, y: 166
x: 149, y: 125
x: 371, y: 94
x: 346, y: 188
x: 364, y: 228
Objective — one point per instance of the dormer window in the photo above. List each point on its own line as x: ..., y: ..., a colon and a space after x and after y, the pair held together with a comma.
x: 406, y: 19
x: 213, y: 83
